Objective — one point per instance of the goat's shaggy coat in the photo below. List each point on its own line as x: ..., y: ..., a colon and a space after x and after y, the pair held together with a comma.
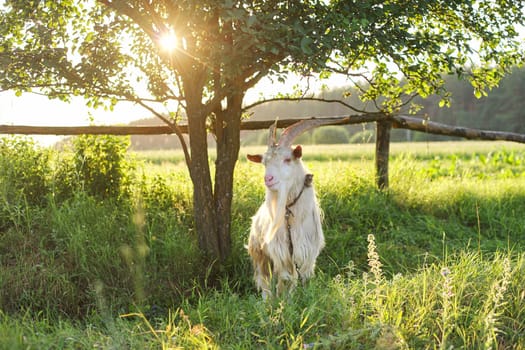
x: 280, y: 245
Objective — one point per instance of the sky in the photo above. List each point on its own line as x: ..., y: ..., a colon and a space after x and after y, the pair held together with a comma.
x: 38, y: 110
x: 32, y: 109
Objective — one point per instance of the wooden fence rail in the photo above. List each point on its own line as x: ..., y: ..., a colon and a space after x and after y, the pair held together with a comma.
x: 167, y: 129
x: 398, y: 121
x: 430, y: 127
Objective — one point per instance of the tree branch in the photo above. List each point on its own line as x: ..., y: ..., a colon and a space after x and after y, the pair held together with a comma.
x: 167, y: 129
x: 297, y: 99
x: 122, y: 7
x: 175, y: 127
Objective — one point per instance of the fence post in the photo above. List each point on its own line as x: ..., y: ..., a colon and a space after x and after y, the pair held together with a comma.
x: 382, y: 152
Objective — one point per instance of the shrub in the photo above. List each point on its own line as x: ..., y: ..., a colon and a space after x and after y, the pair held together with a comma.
x: 98, y: 165
x: 330, y: 135
x: 24, y: 170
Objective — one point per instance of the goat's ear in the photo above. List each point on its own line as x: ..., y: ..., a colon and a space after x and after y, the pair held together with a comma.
x: 298, y: 152
x: 256, y: 158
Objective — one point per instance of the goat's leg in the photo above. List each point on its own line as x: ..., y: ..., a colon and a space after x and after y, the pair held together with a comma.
x: 261, y: 268
x: 263, y: 278
x: 286, y: 277
x: 306, y: 271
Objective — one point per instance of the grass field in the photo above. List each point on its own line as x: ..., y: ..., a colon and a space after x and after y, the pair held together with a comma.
x: 435, y: 262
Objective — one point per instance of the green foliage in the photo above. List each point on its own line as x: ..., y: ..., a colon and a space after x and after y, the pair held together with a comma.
x: 330, y: 135
x: 98, y: 165
x: 498, y: 164
x: 459, y: 303
x: 90, y: 252
x: 500, y: 110
x: 422, y: 40
x: 24, y: 170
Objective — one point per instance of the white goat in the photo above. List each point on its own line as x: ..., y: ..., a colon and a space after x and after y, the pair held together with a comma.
x: 286, y: 234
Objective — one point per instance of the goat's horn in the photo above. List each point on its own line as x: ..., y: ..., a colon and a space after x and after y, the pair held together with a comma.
x: 294, y: 130
x: 272, y: 134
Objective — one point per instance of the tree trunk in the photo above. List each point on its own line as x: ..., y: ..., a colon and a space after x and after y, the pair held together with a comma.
x: 212, y: 202
x: 227, y: 131
x: 204, y: 210
x: 382, y: 152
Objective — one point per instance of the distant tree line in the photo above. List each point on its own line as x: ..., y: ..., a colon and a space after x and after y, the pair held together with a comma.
x: 503, y: 109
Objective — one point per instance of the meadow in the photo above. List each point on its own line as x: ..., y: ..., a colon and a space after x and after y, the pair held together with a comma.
x: 434, y: 262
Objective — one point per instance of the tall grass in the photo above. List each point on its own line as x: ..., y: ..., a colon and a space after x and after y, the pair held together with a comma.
x: 435, y: 262
x: 472, y: 302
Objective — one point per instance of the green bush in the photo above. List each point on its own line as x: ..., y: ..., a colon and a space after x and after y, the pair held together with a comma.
x: 24, y: 170
x: 305, y: 139
x: 98, y: 165
x: 330, y: 135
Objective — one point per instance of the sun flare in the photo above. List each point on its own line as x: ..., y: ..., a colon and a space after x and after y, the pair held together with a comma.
x: 168, y: 41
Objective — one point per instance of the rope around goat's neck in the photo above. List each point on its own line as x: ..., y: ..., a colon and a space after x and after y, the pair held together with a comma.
x: 307, y: 183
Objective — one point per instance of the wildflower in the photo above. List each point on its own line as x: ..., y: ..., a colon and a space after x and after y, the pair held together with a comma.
x: 447, y: 283
x: 373, y: 259
x: 446, y: 295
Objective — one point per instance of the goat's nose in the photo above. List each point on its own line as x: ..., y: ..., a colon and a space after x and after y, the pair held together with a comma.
x: 268, y: 178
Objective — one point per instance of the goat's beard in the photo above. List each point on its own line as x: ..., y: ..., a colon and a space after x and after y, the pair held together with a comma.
x: 276, y: 202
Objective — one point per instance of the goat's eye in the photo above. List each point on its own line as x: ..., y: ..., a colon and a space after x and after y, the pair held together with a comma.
x: 287, y: 160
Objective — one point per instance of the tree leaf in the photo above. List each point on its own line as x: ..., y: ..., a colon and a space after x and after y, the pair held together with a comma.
x: 305, y: 45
